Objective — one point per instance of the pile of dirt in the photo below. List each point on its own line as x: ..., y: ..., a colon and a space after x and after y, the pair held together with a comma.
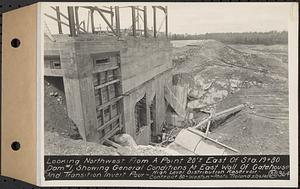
x: 55, y: 110
x: 217, y: 70
x: 222, y: 76
x: 55, y: 144
x: 129, y: 147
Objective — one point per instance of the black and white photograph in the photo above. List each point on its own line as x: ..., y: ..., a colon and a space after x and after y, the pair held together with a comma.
x: 166, y: 80
x: 168, y: 92
x: 150, y: 94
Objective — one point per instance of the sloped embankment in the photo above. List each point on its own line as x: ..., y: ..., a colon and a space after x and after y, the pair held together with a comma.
x: 222, y: 76
x: 215, y: 70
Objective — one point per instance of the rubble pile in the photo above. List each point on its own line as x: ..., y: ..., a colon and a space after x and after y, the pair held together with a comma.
x: 129, y: 147
x: 55, y: 144
x: 56, y: 115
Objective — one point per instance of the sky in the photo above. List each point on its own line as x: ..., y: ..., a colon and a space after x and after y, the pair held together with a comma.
x: 202, y: 18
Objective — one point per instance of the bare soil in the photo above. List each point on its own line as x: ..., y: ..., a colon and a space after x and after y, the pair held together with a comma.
x: 223, y: 76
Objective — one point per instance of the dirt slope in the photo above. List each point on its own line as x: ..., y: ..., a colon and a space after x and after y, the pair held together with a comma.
x: 222, y: 76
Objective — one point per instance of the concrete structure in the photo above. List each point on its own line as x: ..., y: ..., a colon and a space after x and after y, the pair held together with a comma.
x: 107, y: 81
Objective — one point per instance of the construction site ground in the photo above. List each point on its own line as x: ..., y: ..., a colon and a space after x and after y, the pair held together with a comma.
x: 223, y: 76
x: 219, y: 77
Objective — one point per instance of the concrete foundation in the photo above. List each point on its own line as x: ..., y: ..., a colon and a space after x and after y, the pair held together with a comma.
x: 141, y: 67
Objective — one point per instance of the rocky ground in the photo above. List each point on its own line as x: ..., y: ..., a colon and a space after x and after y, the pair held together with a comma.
x: 222, y: 76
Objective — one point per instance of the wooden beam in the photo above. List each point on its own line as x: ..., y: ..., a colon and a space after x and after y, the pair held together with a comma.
x: 161, y: 8
x: 117, y: 13
x: 102, y: 10
x: 133, y: 21
x: 166, y: 20
x: 145, y: 22
x: 71, y: 21
x: 113, y: 144
x: 106, y: 84
x: 60, y: 13
x: 139, y: 9
x: 110, y: 133
x: 53, y: 18
x: 109, y: 122
x: 105, y: 20
x: 58, y: 18
x: 77, y: 20
x: 154, y: 21
x: 112, y: 101
x: 111, y: 16
x: 92, y: 21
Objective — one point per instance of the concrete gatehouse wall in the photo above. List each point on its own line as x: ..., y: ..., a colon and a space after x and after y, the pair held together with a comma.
x: 145, y: 65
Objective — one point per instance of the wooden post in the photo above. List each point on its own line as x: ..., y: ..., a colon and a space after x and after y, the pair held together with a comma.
x: 111, y: 16
x: 145, y: 22
x: 133, y: 21
x: 118, y: 30
x: 166, y: 14
x: 59, y: 21
x: 83, y: 25
x: 77, y: 20
x: 71, y: 21
x: 154, y: 21
x: 92, y: 21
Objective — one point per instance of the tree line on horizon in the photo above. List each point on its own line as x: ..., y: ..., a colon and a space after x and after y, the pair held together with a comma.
x: 250, y: 38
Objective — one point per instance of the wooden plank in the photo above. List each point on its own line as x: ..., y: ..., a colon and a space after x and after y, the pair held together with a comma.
x: 97, y: 70
x: 105, y: 20
x: 113, y: 144
x: 111, y: 16
x: 108, y: 123
x: 77, y: 20
x: 161, y: 8
x: 106, y: 84
x: 64, y: 16
x: 114, y: 100
x: 103, y: 10
x: 92, y: 21
x: 145, y: 22
x: 110, y: 133
x: 71, y: 21
x: 60, y: 13
x: 58, y: 18
x: 166, y: 20
x: 133, y: 21
x: 154, y: 21
x: 54, y: 72
x: 117, y: 12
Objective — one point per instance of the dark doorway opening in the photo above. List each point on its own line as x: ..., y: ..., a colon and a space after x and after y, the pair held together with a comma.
x: 140, y: 114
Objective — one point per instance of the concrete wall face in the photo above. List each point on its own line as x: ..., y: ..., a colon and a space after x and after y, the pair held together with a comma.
x: 78, y: 82
x: 145, y: 70
x: 154, y: 87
